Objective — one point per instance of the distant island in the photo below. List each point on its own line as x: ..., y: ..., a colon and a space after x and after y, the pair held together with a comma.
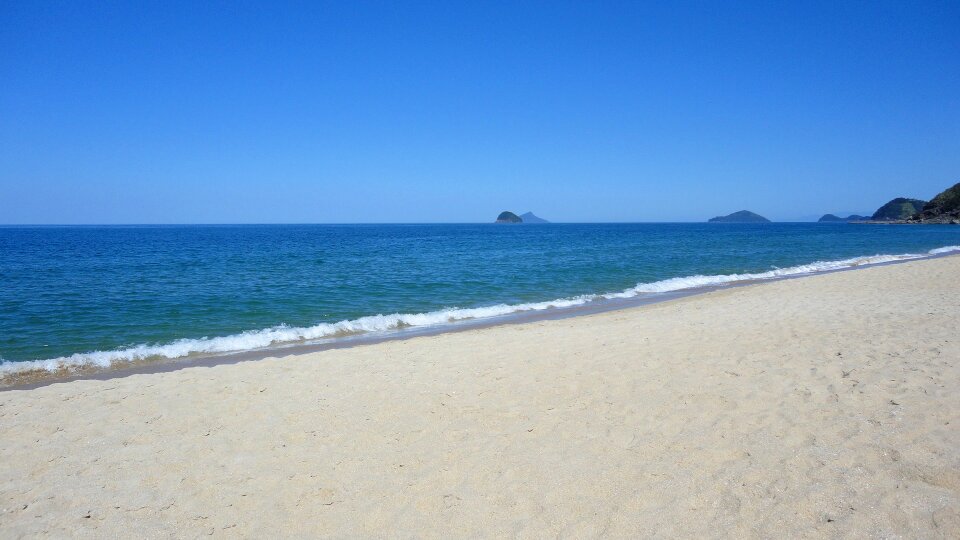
x: 530, y: 218
x: 510, y: 217
x: 830, y: 218
x: 899, y: 209
x: 743, y: 216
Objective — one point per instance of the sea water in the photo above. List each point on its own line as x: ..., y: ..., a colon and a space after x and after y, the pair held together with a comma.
x: 106, y: 296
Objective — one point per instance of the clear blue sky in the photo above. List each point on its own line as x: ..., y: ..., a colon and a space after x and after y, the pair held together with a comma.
x: 192, y: 112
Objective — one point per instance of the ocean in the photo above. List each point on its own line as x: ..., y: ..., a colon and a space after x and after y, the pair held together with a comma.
x: 105, y: 296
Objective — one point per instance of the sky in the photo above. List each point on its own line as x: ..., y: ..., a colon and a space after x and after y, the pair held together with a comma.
x: 206, y: 112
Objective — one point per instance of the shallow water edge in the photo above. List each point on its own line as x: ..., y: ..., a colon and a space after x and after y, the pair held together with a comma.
x: 25, y: 380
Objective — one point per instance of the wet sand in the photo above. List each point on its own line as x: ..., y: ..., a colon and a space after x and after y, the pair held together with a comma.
x: 815, y: 407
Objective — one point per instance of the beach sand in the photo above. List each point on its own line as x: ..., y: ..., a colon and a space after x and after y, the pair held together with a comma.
x: 826, y: 406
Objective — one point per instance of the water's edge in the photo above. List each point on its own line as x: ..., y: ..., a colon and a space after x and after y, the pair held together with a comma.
x: 34, y: 374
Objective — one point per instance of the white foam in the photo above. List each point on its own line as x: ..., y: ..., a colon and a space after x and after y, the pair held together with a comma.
x: 948, y: 249
x: 286, y: 335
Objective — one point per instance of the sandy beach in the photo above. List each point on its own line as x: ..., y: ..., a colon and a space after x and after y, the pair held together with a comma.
x: 826, y: 406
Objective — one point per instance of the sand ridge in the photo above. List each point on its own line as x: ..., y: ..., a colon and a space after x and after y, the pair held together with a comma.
x: 818, y: 407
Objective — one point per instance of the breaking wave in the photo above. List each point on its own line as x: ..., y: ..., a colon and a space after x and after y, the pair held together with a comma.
x: 286, y: 335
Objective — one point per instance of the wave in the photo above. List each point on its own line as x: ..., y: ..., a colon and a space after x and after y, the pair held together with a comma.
x: 285, y: 335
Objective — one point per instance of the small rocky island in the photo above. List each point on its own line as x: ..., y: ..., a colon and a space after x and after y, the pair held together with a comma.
x: 743, y: 216
x: 830, y: 218
x: 510, y: 217
x: 530, y: 218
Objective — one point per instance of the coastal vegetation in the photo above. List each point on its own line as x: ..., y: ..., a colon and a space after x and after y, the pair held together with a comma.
x: 897, y: 209
x: 944, y: 208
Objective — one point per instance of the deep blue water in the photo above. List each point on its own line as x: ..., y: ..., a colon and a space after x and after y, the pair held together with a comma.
x: 69, y: 290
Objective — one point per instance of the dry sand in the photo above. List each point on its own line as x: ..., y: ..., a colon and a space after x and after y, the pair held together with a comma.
x: 827, y: 406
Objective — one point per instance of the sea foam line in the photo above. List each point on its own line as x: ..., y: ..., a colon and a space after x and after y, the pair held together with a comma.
x: 280, y: 335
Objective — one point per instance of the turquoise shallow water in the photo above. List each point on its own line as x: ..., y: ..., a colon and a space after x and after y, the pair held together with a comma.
x: 109, y: 294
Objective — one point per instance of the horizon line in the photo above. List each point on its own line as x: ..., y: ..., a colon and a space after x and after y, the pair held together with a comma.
x: 225, y: 223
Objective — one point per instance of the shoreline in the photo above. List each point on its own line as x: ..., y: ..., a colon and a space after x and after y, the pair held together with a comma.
x: 38, y: 378
x: 817, y: 407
